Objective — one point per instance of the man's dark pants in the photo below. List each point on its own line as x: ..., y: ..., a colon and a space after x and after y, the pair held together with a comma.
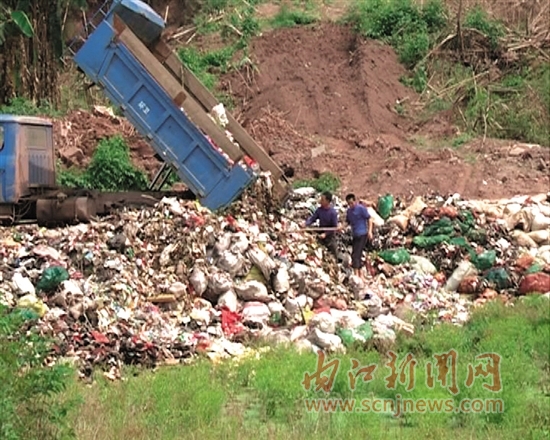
x: 358, y: 244
x: 330, y: 243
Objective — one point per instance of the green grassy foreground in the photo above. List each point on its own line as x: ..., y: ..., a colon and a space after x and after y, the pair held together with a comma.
x: 263, y: 397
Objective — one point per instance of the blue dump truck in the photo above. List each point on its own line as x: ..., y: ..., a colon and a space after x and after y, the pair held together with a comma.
x: 122, y: 52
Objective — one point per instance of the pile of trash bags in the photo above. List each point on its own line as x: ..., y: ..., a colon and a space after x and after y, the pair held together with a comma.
x: 164, y: 284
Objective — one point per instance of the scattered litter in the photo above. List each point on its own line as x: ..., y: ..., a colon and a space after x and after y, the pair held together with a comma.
x: 164, y: 284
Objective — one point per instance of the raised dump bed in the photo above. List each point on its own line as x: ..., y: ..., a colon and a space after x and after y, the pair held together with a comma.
x: 152, y: 100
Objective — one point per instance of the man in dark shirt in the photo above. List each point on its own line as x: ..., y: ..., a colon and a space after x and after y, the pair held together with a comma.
x: 328, y: 218
x: 359, y: 219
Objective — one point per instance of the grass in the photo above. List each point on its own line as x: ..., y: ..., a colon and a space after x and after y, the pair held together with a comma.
x: 288, y: 17
x: 263, y: 398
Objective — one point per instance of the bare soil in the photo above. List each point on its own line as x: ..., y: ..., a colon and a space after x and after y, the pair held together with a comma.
x: 324, y: 100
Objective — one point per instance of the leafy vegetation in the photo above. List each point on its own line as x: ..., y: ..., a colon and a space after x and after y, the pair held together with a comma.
x: 12, y: 20
x: 207, y: 65
x: 325, y: 182
x: 264, y: 397
x: 31, y: 407
x: 516, y: 105
x: 111, y: 169
x: 23, y: 107
x: 477, y: 18
x: 411, y: 28
x: 31, y: 44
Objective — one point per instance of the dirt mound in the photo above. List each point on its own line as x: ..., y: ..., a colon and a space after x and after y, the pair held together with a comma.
x: 324, y: 100
x: 77, y: 135
x: 326, y: 80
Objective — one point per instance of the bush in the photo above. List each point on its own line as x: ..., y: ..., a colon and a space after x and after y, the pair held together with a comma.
x: 205, y: 65
x: 30, y: 407
x: 325, y: 182
x: 24, y: 107
x: 478, y: 19
x: 111, y: 169
x: 410, y: 28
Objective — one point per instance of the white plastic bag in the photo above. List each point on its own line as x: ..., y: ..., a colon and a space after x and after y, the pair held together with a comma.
x: 324, y: 321
x: 252, y: 291
x: 464, y: 269
x: 23, y: 284
x: 222, y: 243
x: 198, y: 281
x: 281, y: 284
x: 256, y: 312
x: 219, y: 283
x: 422, y: 264
x: 541, y: 237
x: 229, y: 300
x: 326, y: 341
x: 230, y: 262
x: 262, y: 261
x: 522, y: 239
x: 239, y: 243
x: 219, y: 115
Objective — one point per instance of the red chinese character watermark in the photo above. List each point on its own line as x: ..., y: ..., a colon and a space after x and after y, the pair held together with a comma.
x: 489, y: 368
x: 446, y: 363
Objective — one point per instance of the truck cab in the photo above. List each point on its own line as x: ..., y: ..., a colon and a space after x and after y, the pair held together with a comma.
x: 27, y: 160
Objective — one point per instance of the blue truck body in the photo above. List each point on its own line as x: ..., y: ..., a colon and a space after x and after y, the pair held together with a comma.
x: 127, y: 83
x: 27, y: 158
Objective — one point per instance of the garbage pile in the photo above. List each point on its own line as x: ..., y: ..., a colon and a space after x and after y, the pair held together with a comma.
x: 164, y: 284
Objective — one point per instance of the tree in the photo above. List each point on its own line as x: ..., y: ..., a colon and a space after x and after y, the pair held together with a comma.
x: 31, y: 46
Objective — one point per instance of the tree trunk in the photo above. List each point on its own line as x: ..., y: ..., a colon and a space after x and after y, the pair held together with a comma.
x: 29, y: 66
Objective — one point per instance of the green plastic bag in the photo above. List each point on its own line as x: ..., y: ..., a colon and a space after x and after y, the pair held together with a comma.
x: 395, y: 256
x: 499, y: 277
x: 346, y: 335
x: 443, y: 226
x: 51, y: 278
x: 534, y: 268
x: 460, y: 241
x: 477, y: 235
x: 365, y: 331
x: 485, y: 261
x: 360, y: 334
x: 385, y: 206
x: 426, y: 242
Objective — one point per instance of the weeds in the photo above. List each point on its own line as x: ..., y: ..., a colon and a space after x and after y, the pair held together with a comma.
x: 287, y: 17
x: 478, y: 19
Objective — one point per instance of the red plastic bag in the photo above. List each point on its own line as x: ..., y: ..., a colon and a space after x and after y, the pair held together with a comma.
x: 231, y: 322
x: 535, y: 283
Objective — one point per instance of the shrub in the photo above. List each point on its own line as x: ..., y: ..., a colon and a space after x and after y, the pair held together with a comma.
x: 24, y: 107
x: 288, y: 18
x: 407, y: 26
x: 325, y: 182
x: 478, y: 19
x: 30, y: 406
x: 111, y: 168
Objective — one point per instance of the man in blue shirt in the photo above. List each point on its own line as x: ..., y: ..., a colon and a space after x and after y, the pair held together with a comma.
x: 359, y: 219
x: 328, y: 218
